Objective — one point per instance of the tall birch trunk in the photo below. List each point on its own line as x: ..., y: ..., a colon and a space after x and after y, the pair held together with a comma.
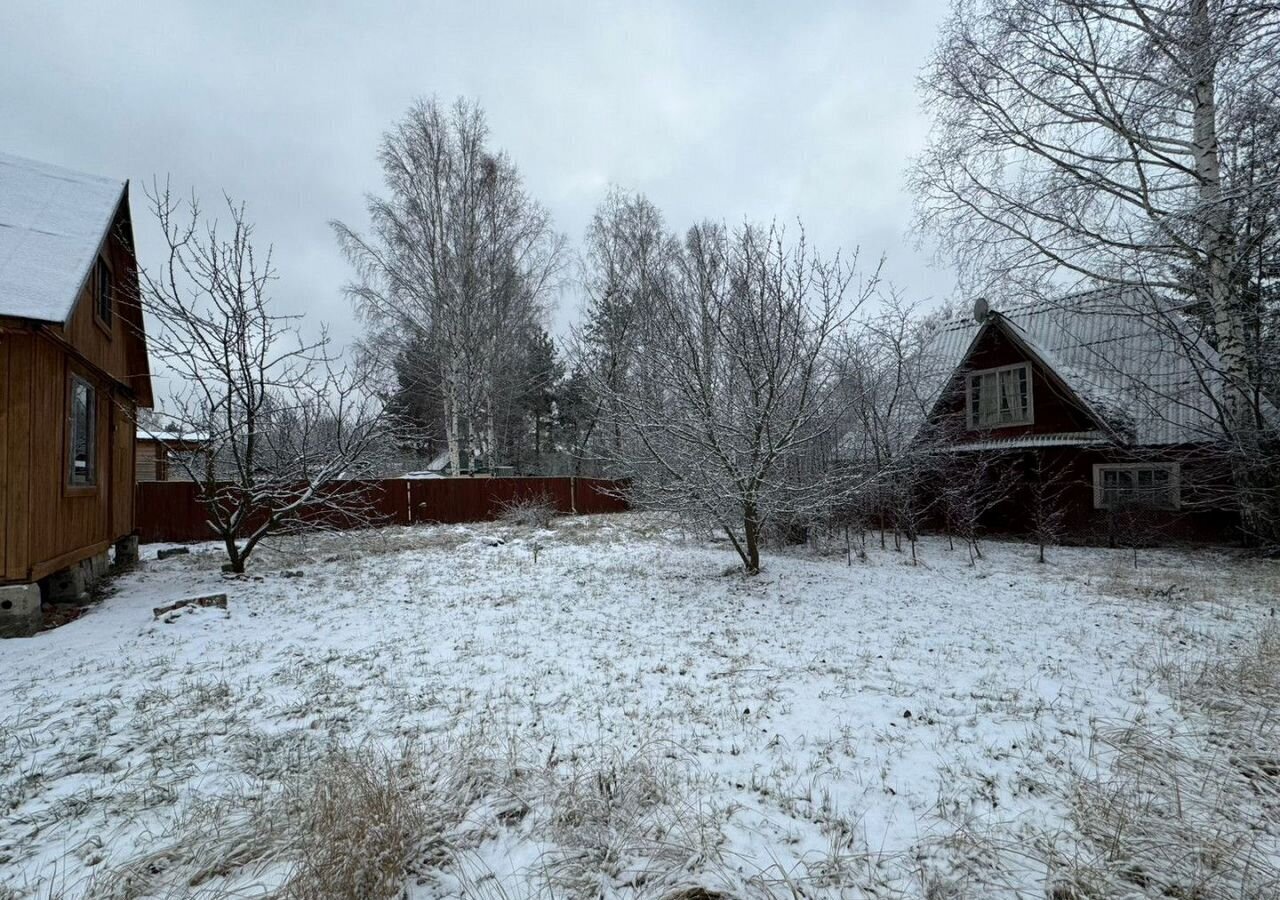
x: 451, y: 423
x: 1225, y: 299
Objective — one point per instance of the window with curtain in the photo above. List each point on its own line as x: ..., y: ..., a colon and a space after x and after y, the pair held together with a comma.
x: 1000, y: 397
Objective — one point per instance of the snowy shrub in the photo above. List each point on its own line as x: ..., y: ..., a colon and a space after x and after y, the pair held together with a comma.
x: 534, y: 511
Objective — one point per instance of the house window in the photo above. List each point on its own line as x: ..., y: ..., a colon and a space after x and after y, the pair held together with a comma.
x: 103, y: 291
x: 1149, y: 485
x: 999, y: 397
x: 82, y: 433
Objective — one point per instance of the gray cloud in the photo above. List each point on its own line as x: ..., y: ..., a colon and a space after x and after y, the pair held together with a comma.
x: 715, y: 110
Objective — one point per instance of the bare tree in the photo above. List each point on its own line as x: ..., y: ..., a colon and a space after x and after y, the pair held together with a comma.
x: 969, y: 486
x: 459, y: 259
x: 1127, y: 143
x: 1048, y: 488
x: 884, y: 378
x: 285, y: 432
x: 739, y: 383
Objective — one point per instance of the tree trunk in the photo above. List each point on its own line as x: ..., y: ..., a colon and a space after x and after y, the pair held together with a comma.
x: 751, y: 526
x: 235, y: 560
x: 451, y: 426
x: 1225, y: 300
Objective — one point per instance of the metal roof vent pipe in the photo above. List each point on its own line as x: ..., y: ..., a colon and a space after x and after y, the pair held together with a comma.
x: 981, y: 309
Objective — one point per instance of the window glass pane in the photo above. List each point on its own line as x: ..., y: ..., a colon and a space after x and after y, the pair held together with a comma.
x: 999, y: 397
x: 1144, y: 486
x: 82, y: 445
x: 104, y: 291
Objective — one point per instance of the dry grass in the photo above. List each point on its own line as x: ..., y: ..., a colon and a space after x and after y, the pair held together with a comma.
x: 356, y: 823
x: 360, y: 818
x: 1190, y: 815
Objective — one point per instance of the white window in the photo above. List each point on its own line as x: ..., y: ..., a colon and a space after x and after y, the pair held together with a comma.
x: 1150, y: 485
x: 998, y: 397
x: 82, y: 428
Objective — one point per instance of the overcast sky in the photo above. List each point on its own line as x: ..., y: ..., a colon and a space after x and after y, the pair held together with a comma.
x: 716, y: 110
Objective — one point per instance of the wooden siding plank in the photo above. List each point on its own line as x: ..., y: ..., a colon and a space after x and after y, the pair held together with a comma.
x: 17, y: 508
x: 5, y: 380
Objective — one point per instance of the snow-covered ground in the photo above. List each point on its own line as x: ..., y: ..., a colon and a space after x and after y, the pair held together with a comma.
x: 643, y: 719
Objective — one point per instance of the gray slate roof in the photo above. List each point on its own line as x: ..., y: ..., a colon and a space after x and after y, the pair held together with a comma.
x: 1135, y: 362
x: 52, y: 222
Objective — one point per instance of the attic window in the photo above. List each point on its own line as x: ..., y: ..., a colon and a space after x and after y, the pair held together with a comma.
x: 1130, y: 485
x: 103, y: 291
x: 999, y: 397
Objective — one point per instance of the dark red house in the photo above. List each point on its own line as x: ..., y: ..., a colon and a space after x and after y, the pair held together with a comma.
x: 1106, y: 403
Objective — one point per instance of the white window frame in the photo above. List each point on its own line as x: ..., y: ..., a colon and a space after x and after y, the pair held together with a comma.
x: 972, y: 420
x: 1175, y: 480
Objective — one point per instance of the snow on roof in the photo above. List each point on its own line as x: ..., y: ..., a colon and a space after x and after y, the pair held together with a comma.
x: 172, y: 437
x: 1059, y: 439
x: 1132, y: 358
x: 52, y: 222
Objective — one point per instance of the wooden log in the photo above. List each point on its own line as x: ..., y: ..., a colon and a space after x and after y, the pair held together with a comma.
x: 212, y: 600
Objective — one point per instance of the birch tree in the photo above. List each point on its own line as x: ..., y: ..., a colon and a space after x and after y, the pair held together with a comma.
x: 458, y: 258
x: 286, y: 433
x: 1116, y: 141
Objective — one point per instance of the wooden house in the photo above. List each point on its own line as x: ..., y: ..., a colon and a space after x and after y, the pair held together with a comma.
x: 1104, y: 407
x: 73, y: 372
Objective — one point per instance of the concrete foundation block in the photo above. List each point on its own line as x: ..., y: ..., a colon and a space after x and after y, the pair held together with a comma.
x: 71, y: 585
x: 19, y: 610
x: 127, y: 552
x: 98, y: 567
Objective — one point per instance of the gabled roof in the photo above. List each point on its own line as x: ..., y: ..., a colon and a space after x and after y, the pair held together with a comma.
x: 1134, y: 361
x: 52, y: 223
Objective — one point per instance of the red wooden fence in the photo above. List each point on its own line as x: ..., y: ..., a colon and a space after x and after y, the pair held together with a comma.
x: 171, y: 510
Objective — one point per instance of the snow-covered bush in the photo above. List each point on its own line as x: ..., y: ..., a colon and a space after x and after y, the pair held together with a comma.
x: 534, y: 511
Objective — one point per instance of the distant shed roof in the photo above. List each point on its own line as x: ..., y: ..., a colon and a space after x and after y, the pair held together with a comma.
x: 52, y: 222
x: 1133, y: 358
x: 172, y: 437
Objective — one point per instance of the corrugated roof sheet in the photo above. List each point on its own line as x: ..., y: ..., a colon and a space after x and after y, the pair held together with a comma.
x: 52, y: 222
x: 1130, y: 356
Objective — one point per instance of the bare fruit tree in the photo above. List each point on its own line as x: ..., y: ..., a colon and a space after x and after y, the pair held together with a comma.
x: 284, y: 431
x: 738, y: 385
x: 1122, y: 143
x: 459, y: 261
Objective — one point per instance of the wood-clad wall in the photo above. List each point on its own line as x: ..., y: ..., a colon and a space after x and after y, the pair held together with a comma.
x: 46, y: 524
x: 17, y: 452
x: 64, y: 519
x: 123, y: 414
x: 1052, y: 411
